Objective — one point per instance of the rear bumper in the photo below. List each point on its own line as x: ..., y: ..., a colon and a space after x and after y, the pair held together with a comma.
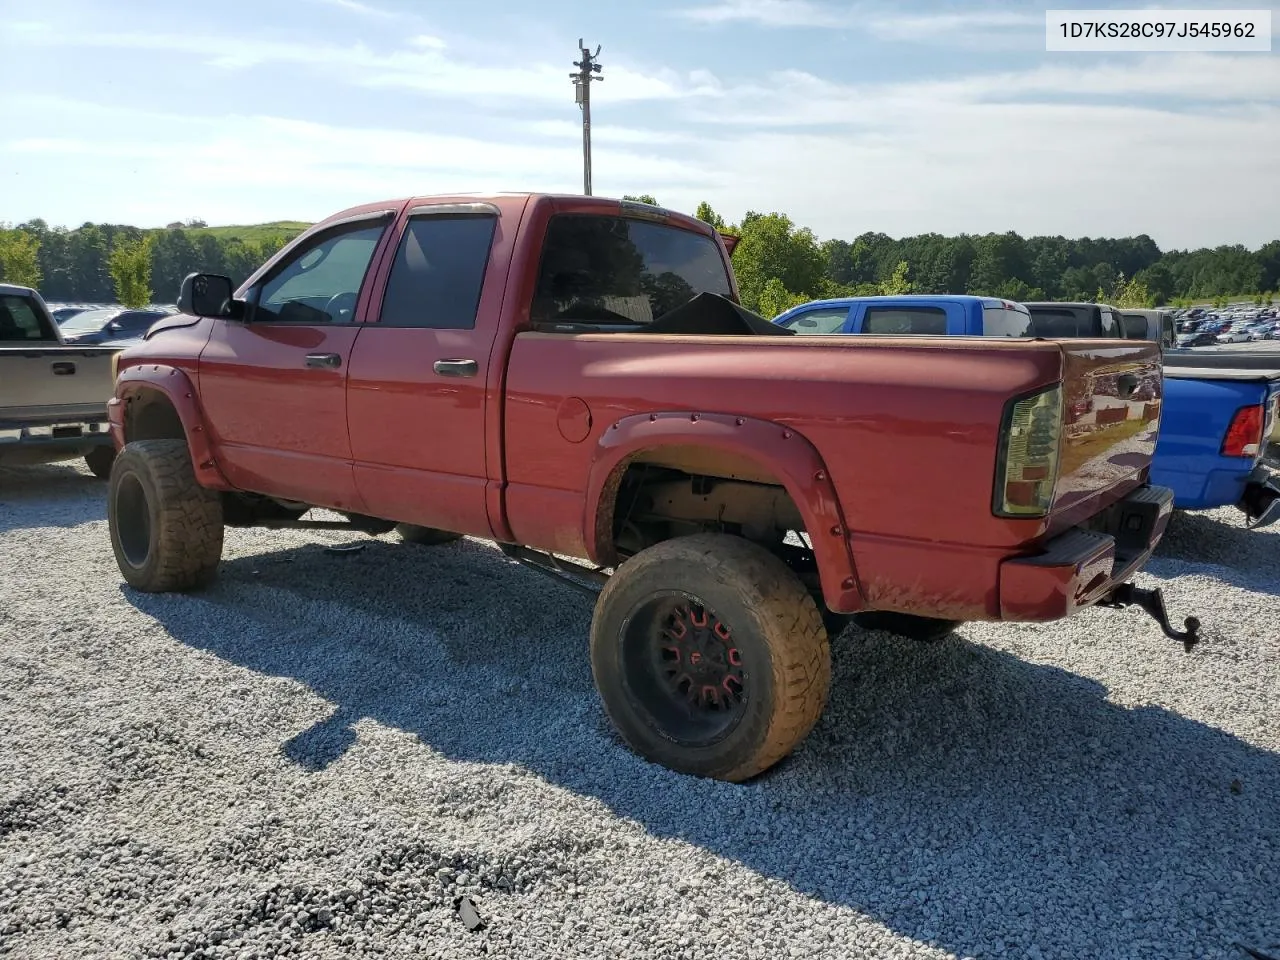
x: 1080, y: 567
x: 44, y: 442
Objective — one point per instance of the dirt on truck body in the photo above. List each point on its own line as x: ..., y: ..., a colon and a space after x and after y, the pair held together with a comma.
x: 573, y: 376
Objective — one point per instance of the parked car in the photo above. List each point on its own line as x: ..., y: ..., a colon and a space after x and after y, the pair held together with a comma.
x: 1233, y: 334
x: 910, y: 315
x: 1220, y: 411
x: 63, y: 314
x: 53, y: 395
x: 573, y: 377
x: 111, y: 324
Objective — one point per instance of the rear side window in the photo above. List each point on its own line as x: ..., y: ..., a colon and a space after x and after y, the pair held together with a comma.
x: 818, y: 322
x: 19, y: 321
x: 438, y: 272
x: 1057, y: 323
x: 618, y: 271
x: 1134, y: 325
x: 905, y: 321
x: 1005, y: 322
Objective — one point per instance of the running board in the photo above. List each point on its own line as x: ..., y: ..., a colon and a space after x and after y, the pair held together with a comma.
x: 566, y: 571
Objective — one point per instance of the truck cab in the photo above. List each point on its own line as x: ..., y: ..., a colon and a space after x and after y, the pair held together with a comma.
x: 910, y: 315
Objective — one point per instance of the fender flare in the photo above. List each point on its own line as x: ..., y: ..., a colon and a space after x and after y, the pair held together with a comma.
x: 176, y: 387
x: 782, y: 451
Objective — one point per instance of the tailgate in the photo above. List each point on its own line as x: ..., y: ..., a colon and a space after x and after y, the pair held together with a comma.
x: 35, y: 383
x: 1111, y: 398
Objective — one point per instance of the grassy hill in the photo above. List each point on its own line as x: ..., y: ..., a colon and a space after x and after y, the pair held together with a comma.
x: 253, y: 231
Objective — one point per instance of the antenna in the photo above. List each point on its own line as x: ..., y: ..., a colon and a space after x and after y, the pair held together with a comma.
x: 588, y: 70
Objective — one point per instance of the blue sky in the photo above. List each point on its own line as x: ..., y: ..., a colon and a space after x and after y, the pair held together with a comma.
x: 897, y: 117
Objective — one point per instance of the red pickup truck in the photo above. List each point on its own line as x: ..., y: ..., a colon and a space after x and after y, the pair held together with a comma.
x: 572, y: 377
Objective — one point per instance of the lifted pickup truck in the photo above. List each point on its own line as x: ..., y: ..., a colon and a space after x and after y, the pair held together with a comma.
x: 53, y: 395
x: 573, y: 377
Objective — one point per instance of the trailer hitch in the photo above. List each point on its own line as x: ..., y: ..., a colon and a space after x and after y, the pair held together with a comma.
x: 1152, y: 602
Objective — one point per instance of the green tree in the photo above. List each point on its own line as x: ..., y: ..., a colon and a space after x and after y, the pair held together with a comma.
x: 772, y: 247
x: 19, y: 258
x: 130, y: 267
x: 897, y: 284
x: 707, y: 215
x: 641, y: 198
x: 776, y: 298
x: 1130, y: 293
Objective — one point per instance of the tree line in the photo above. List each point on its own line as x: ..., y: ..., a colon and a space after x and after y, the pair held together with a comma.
x: 778, y: 263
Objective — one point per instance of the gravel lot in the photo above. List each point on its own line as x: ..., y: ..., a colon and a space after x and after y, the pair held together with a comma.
x: 319, y: 755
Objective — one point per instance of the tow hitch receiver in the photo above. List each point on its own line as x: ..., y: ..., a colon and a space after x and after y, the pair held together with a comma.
x: 1152, y: 601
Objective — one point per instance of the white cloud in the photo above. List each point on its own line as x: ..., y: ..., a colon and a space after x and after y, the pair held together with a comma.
x: 772, y: 13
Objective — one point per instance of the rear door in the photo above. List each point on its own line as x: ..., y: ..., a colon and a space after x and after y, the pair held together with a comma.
x: 274, y: 388
x: 421, y: 377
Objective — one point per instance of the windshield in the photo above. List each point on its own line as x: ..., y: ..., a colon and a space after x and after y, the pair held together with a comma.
x: 88, y: 322
x: 613, y: 270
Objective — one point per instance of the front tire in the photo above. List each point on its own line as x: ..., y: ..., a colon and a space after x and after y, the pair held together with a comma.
x: 710, y: 656
x: 99, y: 461
x: 166, y: 529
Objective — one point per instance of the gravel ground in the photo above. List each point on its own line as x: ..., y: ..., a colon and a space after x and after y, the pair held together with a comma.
x: 320, y: 755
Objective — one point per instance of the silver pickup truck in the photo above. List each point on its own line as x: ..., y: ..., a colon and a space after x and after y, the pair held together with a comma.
x: 53, y: 395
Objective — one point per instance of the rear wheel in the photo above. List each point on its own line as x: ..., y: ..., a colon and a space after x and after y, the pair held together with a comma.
x: 426, y: 536
x: 923, y: 629
x: 166, y: 529
x: 710, y: 656
x: 99, y: 461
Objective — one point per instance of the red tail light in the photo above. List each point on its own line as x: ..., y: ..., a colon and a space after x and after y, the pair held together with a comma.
x: 1244, y: 436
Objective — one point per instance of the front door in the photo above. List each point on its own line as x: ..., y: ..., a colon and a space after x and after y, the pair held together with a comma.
x: 419, y: 380
x: 274, y: 388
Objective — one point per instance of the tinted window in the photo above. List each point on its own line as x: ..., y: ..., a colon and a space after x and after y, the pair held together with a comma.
x: 816, y: 322
x: 1005, y: 322
x: 611, y: 270
x: 138, y: 319
x: 1056, y: 323
x: 896, y: 321
x: 438, y: 272
x: 19, y: 320
x: 1135, y: 326
x: 321, y: 282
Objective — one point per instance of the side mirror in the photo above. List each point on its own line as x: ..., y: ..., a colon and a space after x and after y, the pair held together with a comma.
x: 114, y: 326
x: 208, y: 295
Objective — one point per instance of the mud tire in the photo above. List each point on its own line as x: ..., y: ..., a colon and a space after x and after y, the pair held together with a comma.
x: 166, y: 529
x: 99, y: 461
x: 777, y: 631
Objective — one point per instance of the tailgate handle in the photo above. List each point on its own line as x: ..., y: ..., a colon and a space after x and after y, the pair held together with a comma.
x: 456, y: 368
x: 324, y: 360
x: 1128, y: 384
x: 63, y: 368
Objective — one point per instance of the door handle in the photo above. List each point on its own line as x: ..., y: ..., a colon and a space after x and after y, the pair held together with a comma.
x: 456, y: 368
x: 324, y: 360
x: 63, y: 368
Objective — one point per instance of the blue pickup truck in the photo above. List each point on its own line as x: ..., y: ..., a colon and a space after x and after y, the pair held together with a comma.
x: 1220, y: 409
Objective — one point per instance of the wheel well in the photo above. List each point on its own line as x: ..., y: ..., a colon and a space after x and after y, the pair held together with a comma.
x: 150, y: 416
x: 673, y: 492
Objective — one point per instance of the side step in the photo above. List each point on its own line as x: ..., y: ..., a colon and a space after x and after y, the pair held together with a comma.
x: 587, y: 579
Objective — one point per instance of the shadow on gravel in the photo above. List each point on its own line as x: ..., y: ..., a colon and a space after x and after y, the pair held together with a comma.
x: 1251, y: 556
x: 63, y: 496
x: 961, y: 796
